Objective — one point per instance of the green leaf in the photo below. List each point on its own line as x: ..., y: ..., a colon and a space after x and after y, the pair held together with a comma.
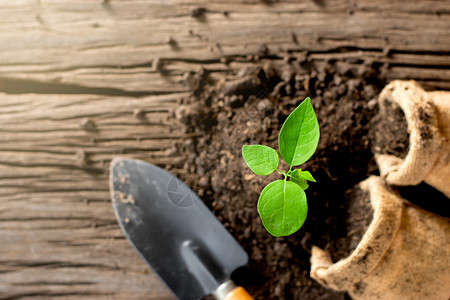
x: 301, y: 182
x: 299, y: 135
x: 299, y: 174
x: 282, y: 207
x: 262, y: 160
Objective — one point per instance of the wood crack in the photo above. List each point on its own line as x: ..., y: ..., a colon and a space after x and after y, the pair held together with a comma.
x: 42, y: 293
x: 26, y: 86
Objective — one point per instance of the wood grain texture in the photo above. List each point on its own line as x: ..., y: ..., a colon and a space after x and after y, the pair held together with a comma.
x: 114, y: 44
x: 65, y: 65
x: 59, y: 236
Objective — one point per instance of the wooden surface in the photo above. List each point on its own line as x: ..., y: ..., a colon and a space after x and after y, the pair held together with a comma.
x: 65, y: 65
x: 58, y: 233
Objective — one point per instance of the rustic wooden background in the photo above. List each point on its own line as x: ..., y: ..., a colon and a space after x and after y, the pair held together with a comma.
x: 74, y: 73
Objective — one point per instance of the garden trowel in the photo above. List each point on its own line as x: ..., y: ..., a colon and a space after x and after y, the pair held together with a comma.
x: 174, y: 232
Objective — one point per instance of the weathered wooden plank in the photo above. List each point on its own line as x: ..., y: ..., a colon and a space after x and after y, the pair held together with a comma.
x: 59, y: 236
x: 87, y: 43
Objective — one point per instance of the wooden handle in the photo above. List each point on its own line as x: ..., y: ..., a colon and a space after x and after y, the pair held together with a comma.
x: 238, y: 293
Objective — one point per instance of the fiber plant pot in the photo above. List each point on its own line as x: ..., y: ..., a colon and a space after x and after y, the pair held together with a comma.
x: 404, y: 254
x: 428, y: 118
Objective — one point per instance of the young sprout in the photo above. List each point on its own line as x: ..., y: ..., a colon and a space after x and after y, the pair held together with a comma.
x: 282, y: 204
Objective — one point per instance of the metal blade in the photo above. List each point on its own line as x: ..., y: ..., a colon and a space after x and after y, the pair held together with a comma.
x: 171, y: 228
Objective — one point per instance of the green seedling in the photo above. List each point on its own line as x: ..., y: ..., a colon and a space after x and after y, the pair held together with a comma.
x: 282, y: 204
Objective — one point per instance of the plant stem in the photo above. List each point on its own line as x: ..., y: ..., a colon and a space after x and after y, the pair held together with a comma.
x: 283, y: 173
x: 287, y: 174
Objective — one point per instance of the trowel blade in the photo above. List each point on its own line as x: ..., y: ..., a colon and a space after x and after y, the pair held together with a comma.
x: 172, y: 230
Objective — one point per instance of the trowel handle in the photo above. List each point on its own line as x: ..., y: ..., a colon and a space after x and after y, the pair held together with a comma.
x: 238, y: 293
x: 229, y: 291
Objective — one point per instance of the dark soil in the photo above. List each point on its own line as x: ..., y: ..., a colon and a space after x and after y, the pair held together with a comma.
x: 359, y: 216
x: 249, y: 108
x: 389, y: 132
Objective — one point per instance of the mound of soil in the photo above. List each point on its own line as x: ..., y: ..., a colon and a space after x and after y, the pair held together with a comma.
x: 249, y: 107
